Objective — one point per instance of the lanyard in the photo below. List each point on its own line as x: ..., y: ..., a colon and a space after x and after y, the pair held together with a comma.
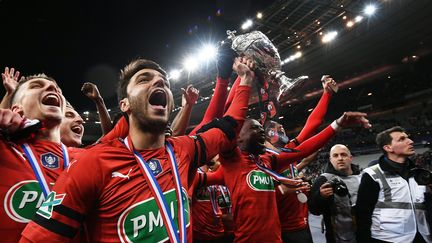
x: 292, y: 170
x: 158, y: 194
x: 273, y: 174
x: 225, y: 197
x: 37, y: 170
x: 213, y: 199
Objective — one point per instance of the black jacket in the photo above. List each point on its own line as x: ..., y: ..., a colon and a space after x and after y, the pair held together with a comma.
x: 368, y: 195
x: 322, y: 206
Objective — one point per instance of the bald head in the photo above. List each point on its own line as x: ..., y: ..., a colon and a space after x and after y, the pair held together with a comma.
x: 338, y: 147
x: 341, y: 158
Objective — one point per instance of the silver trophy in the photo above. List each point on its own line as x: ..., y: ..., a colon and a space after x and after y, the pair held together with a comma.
x: 257, y: 46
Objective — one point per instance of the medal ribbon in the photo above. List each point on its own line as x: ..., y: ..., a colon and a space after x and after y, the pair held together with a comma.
x: 225, y: 197
x: 213, y: 199
x: 37, y: 170
x: 158, y: 194
x: 274, y: 175
x: 65, y: 156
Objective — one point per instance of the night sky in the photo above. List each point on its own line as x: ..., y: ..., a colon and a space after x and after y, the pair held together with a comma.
x: 79, y: 41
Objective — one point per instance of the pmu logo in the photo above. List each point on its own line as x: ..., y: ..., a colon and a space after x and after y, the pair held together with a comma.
x: 202, y: 194
x: 142, y: 222
x: 259, y: 181
x: 22, y: 200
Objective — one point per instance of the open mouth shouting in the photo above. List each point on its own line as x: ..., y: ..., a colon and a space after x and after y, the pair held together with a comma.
x: 78, y: 129
x: 158, y: 100
x: 51, y: 99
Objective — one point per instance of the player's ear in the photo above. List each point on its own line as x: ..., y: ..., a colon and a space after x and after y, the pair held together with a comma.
x: 125, y: 105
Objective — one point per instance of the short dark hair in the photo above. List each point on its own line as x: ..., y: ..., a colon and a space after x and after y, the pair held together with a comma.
x: 130, y: 70
x: 383, y: 138
x: 24, y: 80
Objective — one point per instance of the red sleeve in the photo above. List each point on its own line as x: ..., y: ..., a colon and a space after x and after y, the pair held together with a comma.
x: 216, y: 177
x: 76, y: 191
x: 305, y: 149
x: 24, y: 240
x: 214, y: 141
x: 239, y: 107
x: 120, y: 130
x: 215, y: 108
x: 314, y: 120
x: 231, y: 93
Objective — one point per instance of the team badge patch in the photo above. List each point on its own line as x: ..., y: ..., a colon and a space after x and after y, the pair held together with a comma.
x: 155, y: 166
x: 50, y: 160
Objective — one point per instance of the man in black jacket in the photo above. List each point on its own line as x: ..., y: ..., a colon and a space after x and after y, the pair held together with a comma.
x: 334, y: 194
x: 391, y: 205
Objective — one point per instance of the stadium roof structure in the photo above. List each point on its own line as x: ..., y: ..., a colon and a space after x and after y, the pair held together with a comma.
x: 373, y: 48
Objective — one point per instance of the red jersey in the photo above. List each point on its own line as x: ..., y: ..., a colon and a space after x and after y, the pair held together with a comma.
x: 207, y: 225
x: 120, y: 130
x: 253, y: 192
x: 253, y: 200
x: 20, y: 192
x: 106, y: 191
x: 111, y: 192
x: 293, y: 214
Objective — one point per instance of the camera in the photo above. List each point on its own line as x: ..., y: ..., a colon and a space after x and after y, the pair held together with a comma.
x: 422, y: 177
x: 339, y: 186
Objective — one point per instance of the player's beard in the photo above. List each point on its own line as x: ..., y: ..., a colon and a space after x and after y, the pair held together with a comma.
x: 145, y: 124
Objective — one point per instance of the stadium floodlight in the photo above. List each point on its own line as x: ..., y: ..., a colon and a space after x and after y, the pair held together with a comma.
x: 370, y: 9
x: 259, y: 15
x: 358, y: 18
x: 350, y: 24
x: 246, y: 25
x: 208, y: 52
x: 298, y: 54
x: 190, y: 64
x: 329, y: 36
x: 174, y: 74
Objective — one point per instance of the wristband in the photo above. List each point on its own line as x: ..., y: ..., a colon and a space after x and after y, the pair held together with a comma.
x: 335, y: 126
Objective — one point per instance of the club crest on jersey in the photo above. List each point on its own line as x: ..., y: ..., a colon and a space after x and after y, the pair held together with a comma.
x: 142, y: 222
x: 50, y: 160
x: 47, y: 207
x: 22, y: 200
x: 155, y: 166
x: 259, y: 181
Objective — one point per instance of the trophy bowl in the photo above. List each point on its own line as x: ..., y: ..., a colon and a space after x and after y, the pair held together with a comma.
x: 259, y: 48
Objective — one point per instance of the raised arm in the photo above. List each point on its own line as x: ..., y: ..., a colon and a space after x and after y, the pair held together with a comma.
x: 314, y: 143
x: 223, y: 139
x: 306, y: 161
x: 317, y: 115
x: 181, y: 121
x: 91, y: 91
x: 215, y: 108
x: 224, y: 65
x: 231, y: 93
x: 10, y: 81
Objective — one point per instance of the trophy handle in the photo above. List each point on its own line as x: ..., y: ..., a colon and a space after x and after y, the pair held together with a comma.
x: 231, y: 34
x: 289, y: 87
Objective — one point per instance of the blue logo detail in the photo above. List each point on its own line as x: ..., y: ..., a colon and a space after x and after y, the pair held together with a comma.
x: 50, y: 160
x: 155, y: 166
